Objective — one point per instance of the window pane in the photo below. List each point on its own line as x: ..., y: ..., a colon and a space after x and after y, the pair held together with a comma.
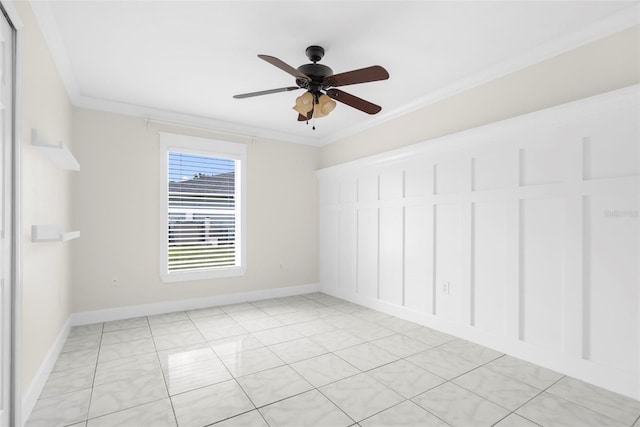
x: 202, y: 212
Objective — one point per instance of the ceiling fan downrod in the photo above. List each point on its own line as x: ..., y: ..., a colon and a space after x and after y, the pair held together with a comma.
x: 314, y: 53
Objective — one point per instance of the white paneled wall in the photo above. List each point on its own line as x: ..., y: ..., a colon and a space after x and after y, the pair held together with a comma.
x: 522, y: 235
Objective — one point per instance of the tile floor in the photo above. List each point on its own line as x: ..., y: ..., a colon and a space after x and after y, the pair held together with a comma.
x: 309, y: 360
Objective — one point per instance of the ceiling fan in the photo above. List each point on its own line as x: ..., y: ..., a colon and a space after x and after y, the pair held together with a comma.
x: 319, y: 82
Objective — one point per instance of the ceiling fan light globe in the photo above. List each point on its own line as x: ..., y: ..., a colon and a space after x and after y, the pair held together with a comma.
x: 328, y: 106
x: 317, y: 112
x: 307, y: 98
x: 303, y: 105
x: 302, y: 109
x: 325, y: 104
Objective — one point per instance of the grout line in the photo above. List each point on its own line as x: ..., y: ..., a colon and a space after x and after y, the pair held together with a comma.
x: 335, y: 404
x: 95, y: 372
x: 319, y: 309
x: 166, y: 385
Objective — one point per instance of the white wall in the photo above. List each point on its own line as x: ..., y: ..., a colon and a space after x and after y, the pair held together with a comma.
x: 522, y: 235
x: 604, y: 65
x: 116, y: 206
x: 46, y: 193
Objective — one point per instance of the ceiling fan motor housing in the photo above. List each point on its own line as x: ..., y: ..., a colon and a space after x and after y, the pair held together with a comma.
x: 317, y: 73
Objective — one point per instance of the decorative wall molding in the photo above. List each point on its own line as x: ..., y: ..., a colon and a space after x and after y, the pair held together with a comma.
x: 567, y: 113
x: 521, y: 235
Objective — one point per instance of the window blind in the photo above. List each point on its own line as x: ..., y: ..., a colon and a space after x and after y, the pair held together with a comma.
x: 202, y: 216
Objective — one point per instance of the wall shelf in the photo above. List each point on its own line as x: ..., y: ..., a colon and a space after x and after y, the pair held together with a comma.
x: 61, y: 156
x: 51, y: 233
x: 59, y: 153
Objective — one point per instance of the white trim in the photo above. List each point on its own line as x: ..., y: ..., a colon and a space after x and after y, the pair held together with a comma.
x: 180, y: 119
x: 506, y: 137
x: 207, y: 147
x: 619, y: 21
x: 49, y: 27
x: 588, y: 371
x: 17, y: 224
x: 16, y: 291
x: 559, y: 114
x: 118, y: 313
x: 32, y: 394
x: 12, y: 12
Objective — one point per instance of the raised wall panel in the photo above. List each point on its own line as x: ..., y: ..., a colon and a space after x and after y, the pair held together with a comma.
x: 368, y: 252
x: 542, y: 249
x: 450, y: 176
x: 368, y: 188
x: 542, y: 164
x: 418, y: 258
x: 611, y: 150
x: 522, y: 235
x: 490, y: 263
x: 348, y: 250
x: 329, y: 236
x: 391, y: 255
x: 612, y: 235
x: 418, y: 179
x: 391, y: 184
x: 491, y: 172
x: 348, y: 190
x: 448, y: 260
x: 329, y: 192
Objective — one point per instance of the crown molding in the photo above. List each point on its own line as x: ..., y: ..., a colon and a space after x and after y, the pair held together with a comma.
x: 49, y: 28
x: 556, y: 116
x: 46, y: 21
x: 619, y: 21
x: 180, y: 119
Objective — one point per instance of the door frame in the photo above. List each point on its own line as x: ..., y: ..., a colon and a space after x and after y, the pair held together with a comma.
x: 13, y: 286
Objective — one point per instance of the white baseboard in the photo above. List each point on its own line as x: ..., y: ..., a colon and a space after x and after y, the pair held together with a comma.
x: 585, y: 370
x: 118, y: 313
x: 30, y: 397
x: 32, y: 394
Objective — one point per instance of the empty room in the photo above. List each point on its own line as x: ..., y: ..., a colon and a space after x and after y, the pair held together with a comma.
x: 320, y: 213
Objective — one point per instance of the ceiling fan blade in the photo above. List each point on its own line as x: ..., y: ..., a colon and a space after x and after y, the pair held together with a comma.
x: 265, y: 92
x: 284, y: 67
x: 363, y: 75
x: 354, y: 101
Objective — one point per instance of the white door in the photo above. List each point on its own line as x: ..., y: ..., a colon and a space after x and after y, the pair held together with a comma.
x: 6, y: 208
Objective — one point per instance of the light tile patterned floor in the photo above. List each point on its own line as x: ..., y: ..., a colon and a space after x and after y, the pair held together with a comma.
x: 309, y: 360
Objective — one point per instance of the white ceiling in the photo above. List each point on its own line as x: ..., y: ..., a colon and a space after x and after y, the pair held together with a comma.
x: 183, y: 61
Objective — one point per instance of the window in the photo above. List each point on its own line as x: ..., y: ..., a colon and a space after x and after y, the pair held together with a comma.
x: 202, y: 208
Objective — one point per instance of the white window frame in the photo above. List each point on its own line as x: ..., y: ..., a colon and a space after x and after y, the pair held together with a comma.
x: 171, y: 142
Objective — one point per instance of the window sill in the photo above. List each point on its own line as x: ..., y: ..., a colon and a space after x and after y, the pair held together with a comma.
x: 189, y: 276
